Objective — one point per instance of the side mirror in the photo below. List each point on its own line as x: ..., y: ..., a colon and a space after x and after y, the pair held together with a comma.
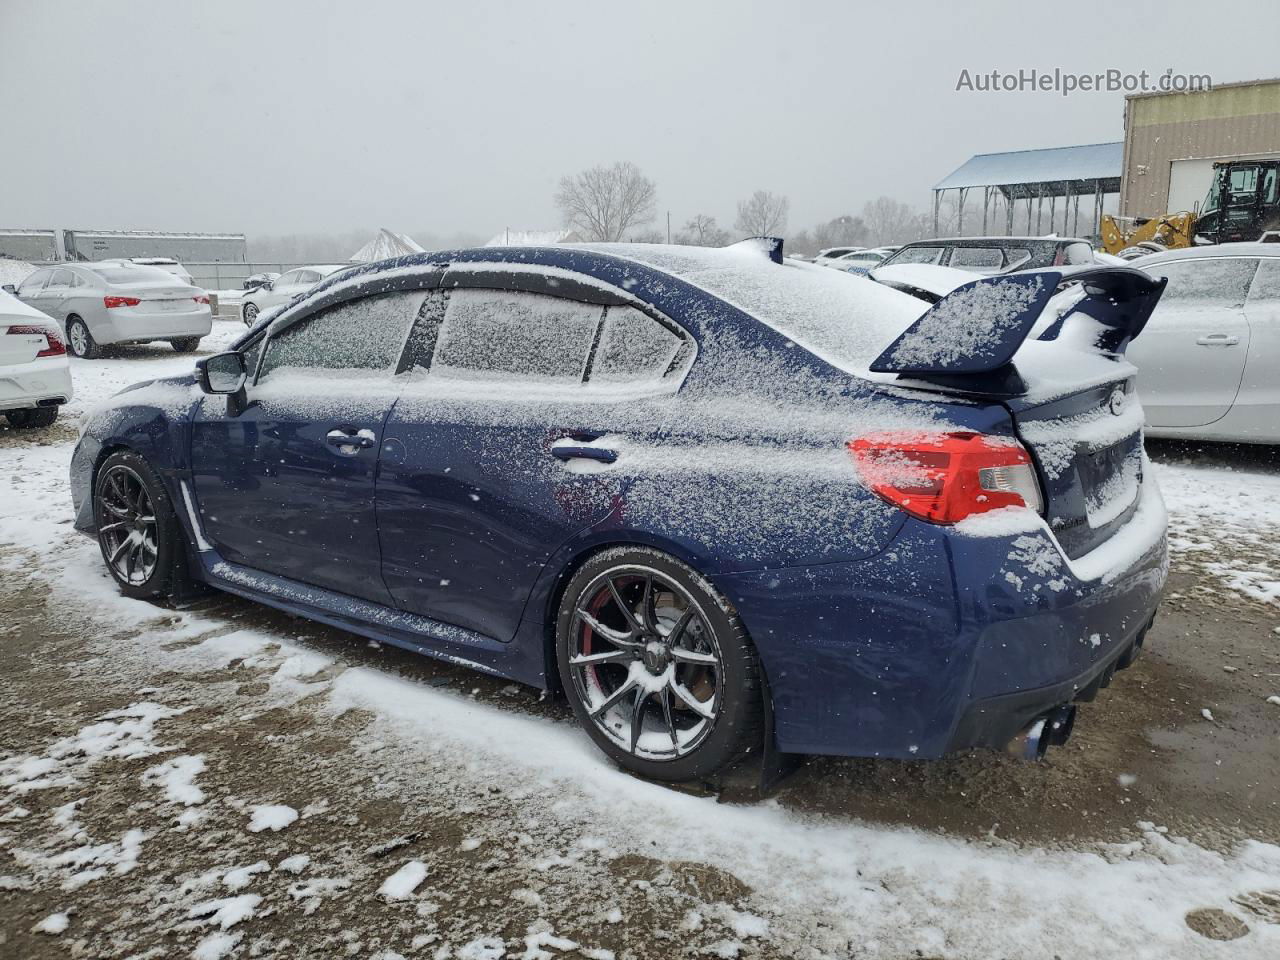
x: 9, y: 288
x: 222, y: 374
x: 268, y: 284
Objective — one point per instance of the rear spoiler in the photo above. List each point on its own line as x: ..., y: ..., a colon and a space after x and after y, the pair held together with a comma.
x: 968, y: 338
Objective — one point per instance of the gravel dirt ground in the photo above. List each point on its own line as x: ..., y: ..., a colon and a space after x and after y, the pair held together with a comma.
x: 415, y: 809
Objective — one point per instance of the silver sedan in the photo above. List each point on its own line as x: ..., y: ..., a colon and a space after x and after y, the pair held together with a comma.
x: 1207, y: 358
x: 107, y: 303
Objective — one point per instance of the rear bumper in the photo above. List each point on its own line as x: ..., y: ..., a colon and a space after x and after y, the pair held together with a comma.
x: 994, y: 721
x: 122, y: 325
x: 945, y: 641
x: 42, y: 382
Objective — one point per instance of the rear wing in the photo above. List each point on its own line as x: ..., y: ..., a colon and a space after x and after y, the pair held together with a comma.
x: 974, y: 331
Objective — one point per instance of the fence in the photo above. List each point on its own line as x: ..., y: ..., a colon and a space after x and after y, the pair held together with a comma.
x: 231, y: 276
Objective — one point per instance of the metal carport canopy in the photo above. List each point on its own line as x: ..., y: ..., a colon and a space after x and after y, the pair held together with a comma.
x: 1054, y: 171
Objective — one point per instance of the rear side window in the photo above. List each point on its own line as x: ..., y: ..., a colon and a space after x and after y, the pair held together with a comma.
x: 1222, y: 280
x: 499, y: 334
x: 977, y: 257
x: 633, y: 347
x: 364, y: 334
x: 62, y: 278
x: 1266, y: 285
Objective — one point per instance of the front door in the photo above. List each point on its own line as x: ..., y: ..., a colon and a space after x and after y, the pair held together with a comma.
x: 500, y: 454
x: 1191, y: 355
x: 287, y: 485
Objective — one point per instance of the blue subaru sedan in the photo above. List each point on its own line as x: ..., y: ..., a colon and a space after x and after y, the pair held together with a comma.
x: 722, y: 500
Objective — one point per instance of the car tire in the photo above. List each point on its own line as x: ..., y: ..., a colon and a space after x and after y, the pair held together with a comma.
x: 249, y: 313
x: 145, y: 557
x: 682, y: 658
x: 80, y: 341
x: 31, y: 419
x: 186, y: 344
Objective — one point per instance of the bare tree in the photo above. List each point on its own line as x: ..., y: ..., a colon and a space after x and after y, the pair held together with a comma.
x: 701, y: 230
x: 606, y: 202
x: 890, y: 221
x: 841, y: 231
x: 762, y: 214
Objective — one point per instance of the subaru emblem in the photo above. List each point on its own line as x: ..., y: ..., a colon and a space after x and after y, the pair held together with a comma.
x: 1117, y: 401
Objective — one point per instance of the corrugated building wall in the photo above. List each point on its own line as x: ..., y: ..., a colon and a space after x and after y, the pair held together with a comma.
x: 1172, y: 139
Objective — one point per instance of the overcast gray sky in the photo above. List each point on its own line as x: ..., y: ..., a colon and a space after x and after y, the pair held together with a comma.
x: 278, y: 117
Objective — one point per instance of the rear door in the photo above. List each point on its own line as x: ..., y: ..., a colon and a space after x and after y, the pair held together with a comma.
x: 1191, y: 356
x: 287, y: 486
x: 496, y: 450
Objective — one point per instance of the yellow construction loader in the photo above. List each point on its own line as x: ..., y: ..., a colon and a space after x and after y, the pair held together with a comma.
x: 1243, y: 204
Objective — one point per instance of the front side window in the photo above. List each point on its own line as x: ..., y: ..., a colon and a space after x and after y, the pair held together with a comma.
x: 1222, y: 281
x: 502, y: 335
x: 364, y: 334
x: 289, y: 278
x: 633, y: 347
x: 1266, y: 285
x: 31, y: 286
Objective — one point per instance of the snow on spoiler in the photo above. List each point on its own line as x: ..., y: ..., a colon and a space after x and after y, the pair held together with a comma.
x: 977, y: 328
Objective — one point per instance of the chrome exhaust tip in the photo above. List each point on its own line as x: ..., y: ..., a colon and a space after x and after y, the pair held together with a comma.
x: 1030, y: 744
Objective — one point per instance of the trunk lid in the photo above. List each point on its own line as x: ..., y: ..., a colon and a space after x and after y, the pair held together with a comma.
x: 1070, y: 392
x: 1087, y: 447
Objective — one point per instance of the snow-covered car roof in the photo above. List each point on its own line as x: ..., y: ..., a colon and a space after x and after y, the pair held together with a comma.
x: 843, y: 319
x: 1247, y: 249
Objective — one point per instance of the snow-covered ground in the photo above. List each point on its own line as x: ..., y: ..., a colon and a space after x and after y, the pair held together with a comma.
x: 819, y: 886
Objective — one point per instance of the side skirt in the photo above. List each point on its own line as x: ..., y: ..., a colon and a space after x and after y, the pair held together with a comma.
x: 442, y: 641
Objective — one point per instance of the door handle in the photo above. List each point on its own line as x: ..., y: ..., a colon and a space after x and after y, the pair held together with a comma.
x: 350, y: 442
x: 602, y: 454
x: 1218, y: 340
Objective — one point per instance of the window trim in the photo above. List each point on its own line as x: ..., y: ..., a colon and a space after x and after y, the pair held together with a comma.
x: 484, y: 276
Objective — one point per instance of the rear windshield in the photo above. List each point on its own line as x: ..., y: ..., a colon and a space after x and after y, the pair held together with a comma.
x: 134, y: 274
x: 844, y: 319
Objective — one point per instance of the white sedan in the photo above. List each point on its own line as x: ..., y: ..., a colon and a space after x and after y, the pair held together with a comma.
x: 35, y: 378
x: 1207, y: 358
x: 283, y: 289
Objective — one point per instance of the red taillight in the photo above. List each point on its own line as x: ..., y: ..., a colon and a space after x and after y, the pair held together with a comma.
x: 56, y: 347
x: 110, y: 302
x: 945, y: 477
x: 200, y: 299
